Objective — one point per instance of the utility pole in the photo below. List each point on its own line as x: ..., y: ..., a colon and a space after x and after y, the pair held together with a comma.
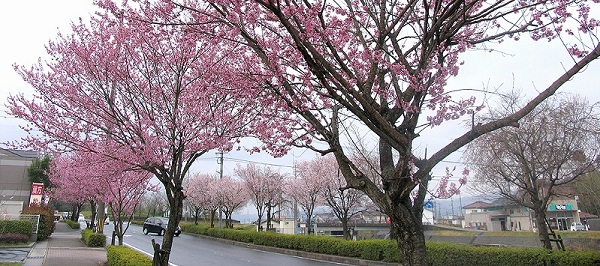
x: 452, y: 204
x: 296, y: 222
x: 220, y: 162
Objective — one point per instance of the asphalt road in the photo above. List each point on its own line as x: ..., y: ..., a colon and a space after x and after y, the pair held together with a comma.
x: 190, y: 250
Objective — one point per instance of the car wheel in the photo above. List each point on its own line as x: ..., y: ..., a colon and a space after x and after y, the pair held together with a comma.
x: 145, y: 230
x: 177, y: 234
x: 162, y: 232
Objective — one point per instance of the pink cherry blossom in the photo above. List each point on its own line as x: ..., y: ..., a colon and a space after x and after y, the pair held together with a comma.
x: 264, y: 187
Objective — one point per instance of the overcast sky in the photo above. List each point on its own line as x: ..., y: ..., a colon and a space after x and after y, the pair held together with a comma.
x: 26, y: 26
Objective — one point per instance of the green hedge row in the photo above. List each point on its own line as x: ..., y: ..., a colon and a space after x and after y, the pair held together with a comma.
x: 73, y: 224
x: 443, y: 253
x: 13, y: 238
x: 124, y: 256
x: 365, y: 249
x: 438, y: 253
x: 92, y: 239
x: 23, y: 227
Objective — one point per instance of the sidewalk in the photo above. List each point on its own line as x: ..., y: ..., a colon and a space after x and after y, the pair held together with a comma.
x: 64, y: 247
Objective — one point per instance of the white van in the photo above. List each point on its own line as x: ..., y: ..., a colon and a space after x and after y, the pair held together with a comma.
x: 578, y: 227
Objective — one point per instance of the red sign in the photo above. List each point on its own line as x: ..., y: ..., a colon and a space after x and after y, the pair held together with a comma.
x: 37, y: 189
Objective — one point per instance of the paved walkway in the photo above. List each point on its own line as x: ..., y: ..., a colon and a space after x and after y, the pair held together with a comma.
x: 64, y: 247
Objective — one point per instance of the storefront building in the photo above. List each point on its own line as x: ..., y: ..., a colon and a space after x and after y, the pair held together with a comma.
x: 501, y: 215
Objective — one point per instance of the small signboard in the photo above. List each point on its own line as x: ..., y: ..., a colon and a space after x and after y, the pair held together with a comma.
x: 37, y: 191
x: 428, y: 204
x: 560, y: 207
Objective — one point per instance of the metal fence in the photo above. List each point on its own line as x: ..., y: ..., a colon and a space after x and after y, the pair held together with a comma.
x: 33, y: 218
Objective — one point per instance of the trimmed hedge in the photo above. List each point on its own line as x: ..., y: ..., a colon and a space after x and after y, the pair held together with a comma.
x: 438, y: 253
x: 364, y: 249
x: 23, y: 227
x: 442, y: 253
x: 13, y: 238
x: 92, y: 239
x: 124, y: 256
x: 73, y: 224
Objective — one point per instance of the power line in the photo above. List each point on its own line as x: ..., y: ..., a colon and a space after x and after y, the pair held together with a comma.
x: 256, y: 162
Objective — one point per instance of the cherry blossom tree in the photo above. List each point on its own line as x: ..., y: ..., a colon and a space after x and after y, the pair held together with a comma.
x: 232, y: 195
x: 153, y: 97
x: 103, y: 180
x: 76, y: 182
x: 309, y: 186
x: 69, y: 188
x: 345, y: 202
x: 387, y: 65
x: 153, y: 204
x: 201, y: 193
x: 264, y: 187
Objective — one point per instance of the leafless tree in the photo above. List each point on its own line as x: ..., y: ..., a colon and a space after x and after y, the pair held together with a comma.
x: 551, y: 147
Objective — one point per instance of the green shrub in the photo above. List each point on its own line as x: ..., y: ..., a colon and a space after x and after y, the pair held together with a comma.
x: 450, y: 254
x: 16, y: 226
x: 73, y: 224
x: 573, y: 258
x: 348, y: 248
x: 391, y: 252
x: 92, y: 239
x: 438, y: 253
x: 194, y: 229
x: 371, y: 250
x: 123, y: 256
x: 442, y: 253
x: 13, y: 238
x: 46, y: 224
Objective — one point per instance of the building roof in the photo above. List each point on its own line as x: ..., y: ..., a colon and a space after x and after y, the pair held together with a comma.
x: 478, y: 205
x: 23, y: 154
x: 587, y: 215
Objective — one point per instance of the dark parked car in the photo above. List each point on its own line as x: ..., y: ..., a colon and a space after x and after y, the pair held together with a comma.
x: 158, y: 225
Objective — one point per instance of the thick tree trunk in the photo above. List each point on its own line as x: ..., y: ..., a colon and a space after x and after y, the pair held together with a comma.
x: 101, y: 216
x: 259, y: 224
x: 92, y: 223
x: 540, y: 222
x: 212, y: 218
x: 405, y: 212
x: 268, y: 217
x: 345, y: 228
x: 119, y: 231
x: 74, y: 213
x: 260, y: 211
x: 162, y: 254
x: 197, y: 210
x: 410, y: 238
x: 228, y: 220
x: 309, y: 228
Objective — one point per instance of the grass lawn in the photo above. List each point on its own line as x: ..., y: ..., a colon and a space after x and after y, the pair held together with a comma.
x: 10, y: 264
x: 563, y: 234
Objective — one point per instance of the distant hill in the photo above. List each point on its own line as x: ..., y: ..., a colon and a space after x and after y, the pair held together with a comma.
x: 453, y: 206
